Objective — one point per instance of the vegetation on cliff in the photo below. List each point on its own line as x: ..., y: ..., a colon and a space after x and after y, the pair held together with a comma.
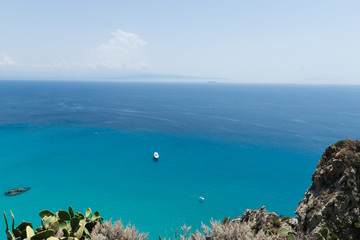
x: 333, y: 200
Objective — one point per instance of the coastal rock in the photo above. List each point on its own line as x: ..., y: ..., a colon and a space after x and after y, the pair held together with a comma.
x: 333, y: 200
x: 16, y: 191
x: 261, y: 219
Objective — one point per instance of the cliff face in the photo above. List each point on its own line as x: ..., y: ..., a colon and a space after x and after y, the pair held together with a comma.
x: 333, y: 200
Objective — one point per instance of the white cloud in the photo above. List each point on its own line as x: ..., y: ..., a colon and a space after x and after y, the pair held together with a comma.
x: 5, y: 60
x: 122, y: 51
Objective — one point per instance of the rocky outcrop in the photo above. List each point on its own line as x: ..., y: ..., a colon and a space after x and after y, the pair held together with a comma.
x: 333, y: 200
x: 260, y: 219
x: 16, y: 191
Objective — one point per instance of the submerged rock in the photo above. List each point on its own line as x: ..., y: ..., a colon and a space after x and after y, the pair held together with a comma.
x: 333, y: 200
x: 13, y: 192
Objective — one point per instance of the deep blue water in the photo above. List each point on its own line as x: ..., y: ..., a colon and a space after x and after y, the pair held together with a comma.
x: 90, y: 144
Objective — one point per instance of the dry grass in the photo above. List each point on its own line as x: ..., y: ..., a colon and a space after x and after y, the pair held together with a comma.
x: 216, y: 231
x: 116, y: 231
x: 228, y: 231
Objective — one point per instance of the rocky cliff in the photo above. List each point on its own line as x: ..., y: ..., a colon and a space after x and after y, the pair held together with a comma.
x: 333, y: 200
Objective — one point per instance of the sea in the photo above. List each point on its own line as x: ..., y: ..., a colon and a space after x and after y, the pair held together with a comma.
x: 239, y: 146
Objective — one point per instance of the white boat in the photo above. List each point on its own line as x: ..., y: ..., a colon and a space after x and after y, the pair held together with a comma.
x: 156, y: 155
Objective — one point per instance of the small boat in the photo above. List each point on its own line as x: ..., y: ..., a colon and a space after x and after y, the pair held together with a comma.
x: 201, y: 198
x: 156, y: 155
x: 13, y: 192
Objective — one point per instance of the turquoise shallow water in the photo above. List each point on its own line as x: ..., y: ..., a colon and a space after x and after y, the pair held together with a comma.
x: 113, y: 171
x: 239, y: 146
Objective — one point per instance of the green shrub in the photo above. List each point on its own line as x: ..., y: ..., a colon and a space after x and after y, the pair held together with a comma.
x: 341, y: 225
x: 226, y: 220
x: 340, y: 143
x: 277, y: 223
x: 285, y: 218
x: 357, y: 224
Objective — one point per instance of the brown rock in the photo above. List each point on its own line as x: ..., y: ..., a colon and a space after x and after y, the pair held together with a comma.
x: 260, y: 219
x: 333, y: 200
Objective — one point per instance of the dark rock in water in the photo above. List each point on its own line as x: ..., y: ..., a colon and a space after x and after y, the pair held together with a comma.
x: 333, y: 200
x: 13, y: 192
x: 260, y: 219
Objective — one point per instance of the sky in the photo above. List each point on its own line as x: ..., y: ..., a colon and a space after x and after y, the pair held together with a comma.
x: 253, y: 41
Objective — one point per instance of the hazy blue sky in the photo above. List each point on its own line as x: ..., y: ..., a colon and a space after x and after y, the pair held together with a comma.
x: 307, y: 41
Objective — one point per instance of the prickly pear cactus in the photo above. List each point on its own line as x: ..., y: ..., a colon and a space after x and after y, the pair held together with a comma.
x: 62, y: 224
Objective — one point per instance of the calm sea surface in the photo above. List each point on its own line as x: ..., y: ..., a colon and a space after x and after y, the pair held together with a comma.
x: 238, y: 146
